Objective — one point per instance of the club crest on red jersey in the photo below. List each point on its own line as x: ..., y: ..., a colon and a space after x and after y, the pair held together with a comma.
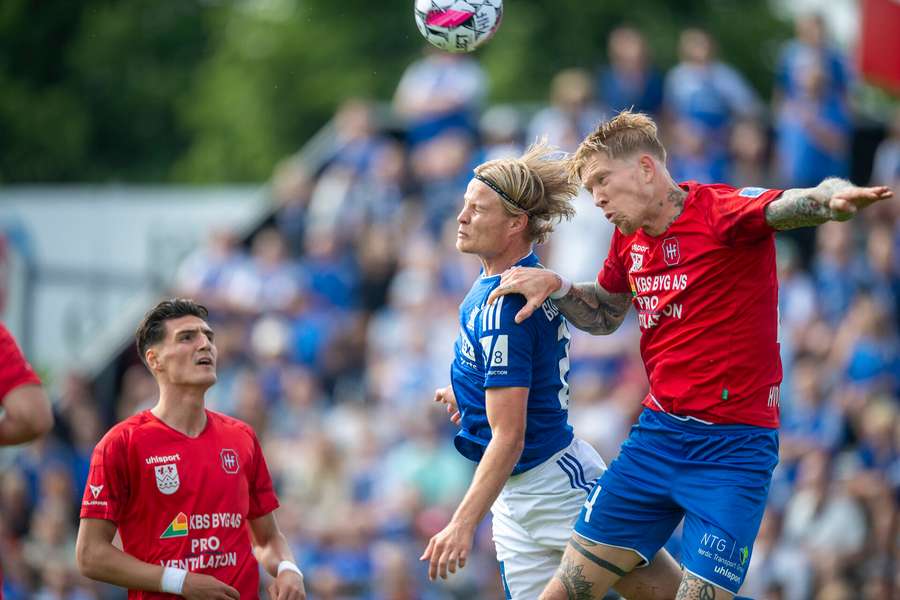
x: 671, y: 251
x: 230, y: 461
x: 167, y: 478
x: 637, y: 261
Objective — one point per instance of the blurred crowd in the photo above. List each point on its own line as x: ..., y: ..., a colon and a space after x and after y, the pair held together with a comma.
x: 335, y: 323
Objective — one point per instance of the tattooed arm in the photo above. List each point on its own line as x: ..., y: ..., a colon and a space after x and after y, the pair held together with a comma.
x: 832, y: 200
x: 587, y: 305
x: 591, y: 308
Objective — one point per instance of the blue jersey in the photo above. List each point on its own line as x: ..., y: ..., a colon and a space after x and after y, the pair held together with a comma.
x: 493, y: 351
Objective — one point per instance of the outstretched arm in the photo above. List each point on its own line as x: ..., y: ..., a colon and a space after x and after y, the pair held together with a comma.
x: 832, y: 200
x: 587, y: 305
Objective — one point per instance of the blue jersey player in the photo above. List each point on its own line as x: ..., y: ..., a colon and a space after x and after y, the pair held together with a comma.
x: 509, y: 393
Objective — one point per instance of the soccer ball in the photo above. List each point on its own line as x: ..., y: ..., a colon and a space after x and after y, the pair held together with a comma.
x: 458, y: 25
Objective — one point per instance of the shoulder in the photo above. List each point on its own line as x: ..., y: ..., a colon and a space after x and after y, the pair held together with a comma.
x: 122, y: 433
x: 6, y: 338
x: 227, y: 423
x: 10, y: 353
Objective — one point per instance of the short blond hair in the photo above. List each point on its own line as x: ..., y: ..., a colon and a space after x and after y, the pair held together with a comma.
x: 621, y: 136
x: 538, y: 184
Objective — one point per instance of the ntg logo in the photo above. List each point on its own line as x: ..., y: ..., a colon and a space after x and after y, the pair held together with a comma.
x: 715, y: 542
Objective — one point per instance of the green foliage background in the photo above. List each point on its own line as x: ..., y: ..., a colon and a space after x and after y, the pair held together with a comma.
x: 220, y: 90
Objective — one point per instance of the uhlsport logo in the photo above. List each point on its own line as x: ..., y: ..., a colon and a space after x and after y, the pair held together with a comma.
x: 177, y: 528
x: 230, y: 461
x: 95, y: 489
x: 167, y: 478
x: 671, y: 251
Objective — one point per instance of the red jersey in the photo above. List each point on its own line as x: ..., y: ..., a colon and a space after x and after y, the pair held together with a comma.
x: 14, y: 372
x: 706, y: 293
x: 14, y: 369
x: 180, y: 501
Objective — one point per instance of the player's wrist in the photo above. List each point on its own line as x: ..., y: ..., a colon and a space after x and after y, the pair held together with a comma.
x: 172, y: 581
x: 564, y: 286
x: 290, y: 566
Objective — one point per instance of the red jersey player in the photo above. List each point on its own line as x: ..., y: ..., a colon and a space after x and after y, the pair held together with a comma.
x: 26, y: 409
x: 187, y: 488
x: 698, y: 263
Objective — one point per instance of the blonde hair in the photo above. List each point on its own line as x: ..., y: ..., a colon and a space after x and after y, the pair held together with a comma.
x: 536, y: 184
x: 621, y: 136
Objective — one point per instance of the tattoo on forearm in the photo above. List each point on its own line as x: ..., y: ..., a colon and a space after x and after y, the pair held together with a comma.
x: 573, y: 579
x: 694, y: 588
x: 804, y: 207
x: 591, y: 308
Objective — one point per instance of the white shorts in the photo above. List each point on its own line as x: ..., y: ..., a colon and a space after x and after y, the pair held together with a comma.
x: 534, y: 514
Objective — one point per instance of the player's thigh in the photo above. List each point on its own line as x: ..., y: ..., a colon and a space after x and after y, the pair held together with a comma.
x: 525, y: 565
x: 525, y: 574
x: 589, y: 570
x: 636, y: 518
x: 657, y: 581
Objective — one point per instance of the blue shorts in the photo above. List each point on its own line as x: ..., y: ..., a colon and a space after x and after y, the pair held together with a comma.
x: 714, y: 476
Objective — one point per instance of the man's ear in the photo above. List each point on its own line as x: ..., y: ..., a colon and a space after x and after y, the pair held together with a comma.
x: 647, y: 166
x: 518, y: 223
x: 152, y: 359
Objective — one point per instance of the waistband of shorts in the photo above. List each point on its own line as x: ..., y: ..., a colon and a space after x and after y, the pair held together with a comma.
x: 694, y: 425
x: 537, y: 471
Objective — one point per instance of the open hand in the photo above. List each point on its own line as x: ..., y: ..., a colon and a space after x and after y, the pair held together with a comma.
x: 533, y: 283
x: 845, y: 203
x: 448, y: 549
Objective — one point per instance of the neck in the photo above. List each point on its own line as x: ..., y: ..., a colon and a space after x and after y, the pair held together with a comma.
x: 182, y: 409
x: 667, y: 207
x: 495, y: 265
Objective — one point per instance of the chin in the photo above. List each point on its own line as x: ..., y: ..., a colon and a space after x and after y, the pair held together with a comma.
x: 626, y: 228
x: 464, y: 246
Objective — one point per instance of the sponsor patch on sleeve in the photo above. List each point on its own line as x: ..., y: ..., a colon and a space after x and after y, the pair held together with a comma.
x: 752, y: 192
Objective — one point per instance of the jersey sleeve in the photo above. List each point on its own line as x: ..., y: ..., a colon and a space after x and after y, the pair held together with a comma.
x: 738, y: 216
x: 262, y: 493
x: 107, y: 490
x: 613, y: 277
x: 507, y: 347
x: 14, y: 369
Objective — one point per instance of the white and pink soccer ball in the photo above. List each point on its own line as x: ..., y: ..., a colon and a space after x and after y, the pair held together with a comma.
x: 458, y: 25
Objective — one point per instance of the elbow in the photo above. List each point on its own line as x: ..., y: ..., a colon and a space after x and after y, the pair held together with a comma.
x: 86, y: 559
x: 512, y: 440
x: 42, y: 420
x: 605, y: 327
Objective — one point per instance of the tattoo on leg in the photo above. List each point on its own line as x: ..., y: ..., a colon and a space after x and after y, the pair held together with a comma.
x: 573, y: 579
x: 694, y: 588
x: 605, y: 564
